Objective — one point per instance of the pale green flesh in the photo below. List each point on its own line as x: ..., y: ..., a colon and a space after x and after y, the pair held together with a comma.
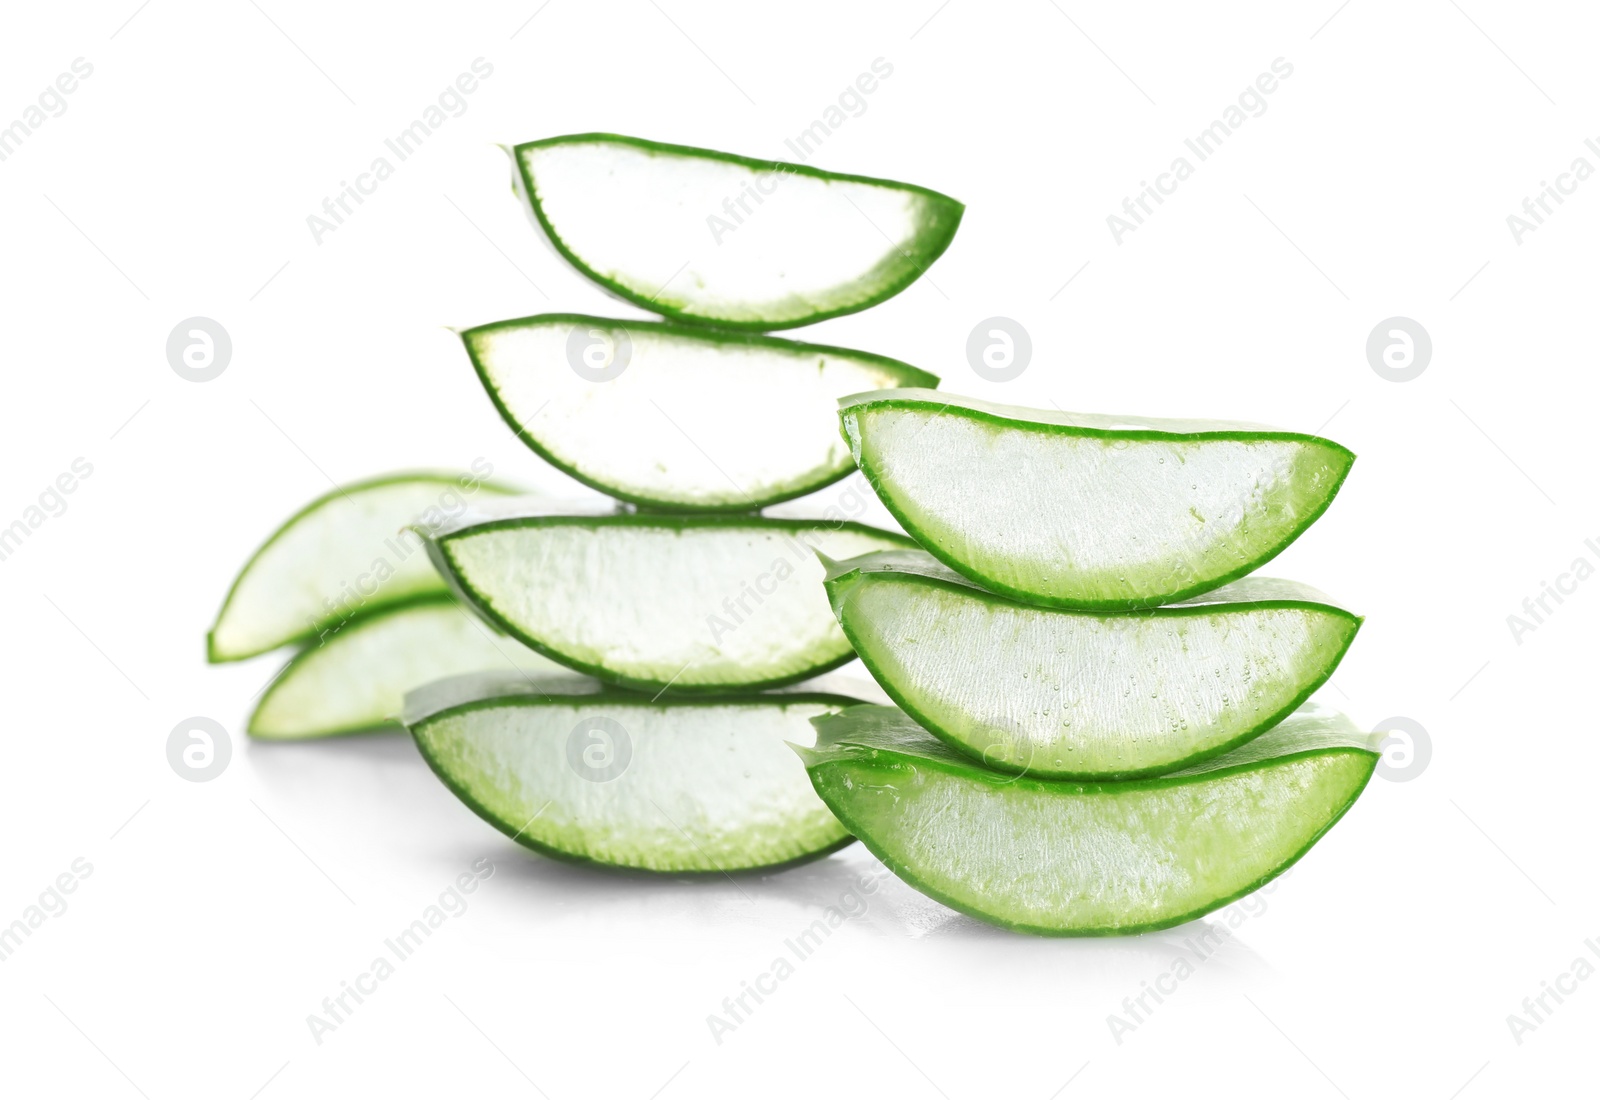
x: 358, y: 677
x: 346, y: 554
x: 655, y: 225
x: 651, y: 433
x: 708, y: 785
x: 1055, y: 692
x: 693, y: 605
x: 1095, y: 512
x: 1070, y: 858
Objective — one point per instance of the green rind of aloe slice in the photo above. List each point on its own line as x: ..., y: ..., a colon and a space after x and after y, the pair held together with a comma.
x: 658, y: 602
x: 1067, y: 694
x: 643, y: 431
x: 343, y: 555
x: 586, y: 773
x: 1095, y: 512
x: 602, y: 198
x: 356, y: 679
x: 1087, y: 859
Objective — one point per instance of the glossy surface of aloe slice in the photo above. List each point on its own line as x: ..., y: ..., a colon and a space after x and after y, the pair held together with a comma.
x: 660, y: 602
x: 640, y: 410
x: 583, y: 772
x: 344, y: 554
x: 1086, y: 694
x: 356, y: 678
x: 704, y: 236
x: 1090, y: 511
x: 1062, y: 858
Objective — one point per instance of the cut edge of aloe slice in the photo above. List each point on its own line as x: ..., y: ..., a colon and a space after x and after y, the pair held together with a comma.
x: 536, y: 511
x: 459, y: 695
x: 526, y: 506
x: 842, y: 577
x: 1084, y: 425
x: 910, y: 377
x: 217, y: 654
x: 876, y: 735
x: 277, y: 719
x: 931, y: 243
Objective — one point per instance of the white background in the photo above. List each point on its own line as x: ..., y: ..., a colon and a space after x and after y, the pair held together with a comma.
x: 177, y: 183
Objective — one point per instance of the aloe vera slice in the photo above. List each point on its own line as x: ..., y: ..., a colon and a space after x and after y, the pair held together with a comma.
x: 687, y: 603
x: 356, y: 678
x: 642, y: 429
x: 1062, y: 858
x: 711, y: 237
x: 345, y: 553
x: 580, y: 771
x: 1061, y: 693
x: 1089, y: 511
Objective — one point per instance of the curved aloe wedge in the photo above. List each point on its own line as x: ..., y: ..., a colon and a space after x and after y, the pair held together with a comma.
x: 690, y: 603
x: 1088, y: 511
x: 644, y: 430
x: 712, y: 237
x: 1086, y: 694
x: 579, y: 771
x: 1060, y: 858
x: 344, y: 554
x: 357, y: 678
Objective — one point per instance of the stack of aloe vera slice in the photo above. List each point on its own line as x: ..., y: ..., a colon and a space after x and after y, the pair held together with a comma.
x: 658, y: 648
x: 1103, y: 720
x: 1103, y: 723
x: 343, y: 583
x: 690, y: 620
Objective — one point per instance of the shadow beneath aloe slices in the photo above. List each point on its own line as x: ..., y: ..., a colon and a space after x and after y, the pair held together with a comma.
x: 889, y: 907
x: 379, y: 750
x: 377, y: 782
x: 851, y: 892
x: 382, y: 785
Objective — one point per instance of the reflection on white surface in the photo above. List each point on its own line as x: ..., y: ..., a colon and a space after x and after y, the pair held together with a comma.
x: 378, y: 785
